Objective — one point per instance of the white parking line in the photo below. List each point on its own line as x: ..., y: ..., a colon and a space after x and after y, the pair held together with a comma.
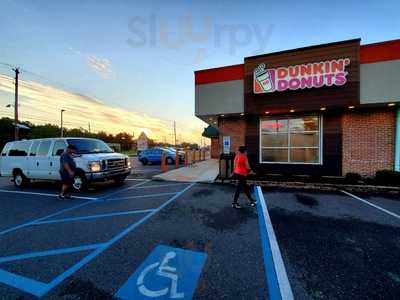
x: 135, y: 179
x: 44, y: 194
x: 371, y: 204
x: 161, y: 185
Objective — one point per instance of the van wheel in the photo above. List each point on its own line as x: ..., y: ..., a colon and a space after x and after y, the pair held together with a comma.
x: 144, y: 161
x: 20, y: 180
x: 170, y: 161
x: 79, y: 183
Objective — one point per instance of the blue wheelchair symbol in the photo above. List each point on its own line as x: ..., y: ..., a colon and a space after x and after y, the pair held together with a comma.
x: 167, y: 273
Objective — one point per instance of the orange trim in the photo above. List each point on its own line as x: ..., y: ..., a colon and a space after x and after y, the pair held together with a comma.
x: 384, y: 51
x: 235, y: 72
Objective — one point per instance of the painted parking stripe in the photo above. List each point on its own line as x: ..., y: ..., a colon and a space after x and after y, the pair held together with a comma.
x: 142, y: 196
x: 23, y: 283
x: 91, y: 217
x: 135, y: 179
x: 371, y: 204
x: 47, y: 217
x: 108, y: 244
x: 277, y: 280
x: 161, y: 185
x: 44, y: 194
x: 107, y: 196
x: 49, y: 252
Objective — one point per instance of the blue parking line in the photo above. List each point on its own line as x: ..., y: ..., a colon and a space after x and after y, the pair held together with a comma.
x: 47, y: 217
x: 22, y: 283
x: 143, y: 196
x: 39, y: 289
x: 270, y: 274
x: 49, y: 253
x: 68, y: 209
x: 278, y: 284
x: 141, y: 211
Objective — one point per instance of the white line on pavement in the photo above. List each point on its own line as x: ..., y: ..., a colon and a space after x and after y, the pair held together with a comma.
x: 142, y: 196
x: 44, y: 194
x: 283, y: 281
x: 371, y: 204
x: 135, y: 179
x: 161, y: 185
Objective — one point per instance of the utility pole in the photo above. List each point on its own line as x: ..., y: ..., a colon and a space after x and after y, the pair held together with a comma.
x: 89, y: 126
x: 16, y: 70
x: 62, y: 129
x: 175, y: 132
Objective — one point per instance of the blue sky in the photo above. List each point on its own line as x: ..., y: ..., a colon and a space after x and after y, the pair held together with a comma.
x: 140, y: 55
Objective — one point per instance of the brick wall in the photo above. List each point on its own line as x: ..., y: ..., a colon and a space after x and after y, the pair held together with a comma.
x: 215, y: 148
x: 235, y: 128
x: 368, y: 141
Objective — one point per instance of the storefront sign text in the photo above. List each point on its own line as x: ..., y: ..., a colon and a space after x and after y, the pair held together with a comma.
x: 312, y: 75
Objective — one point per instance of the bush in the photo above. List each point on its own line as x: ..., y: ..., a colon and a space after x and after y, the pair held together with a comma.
x: 352, y: 178
x: 387, y: 177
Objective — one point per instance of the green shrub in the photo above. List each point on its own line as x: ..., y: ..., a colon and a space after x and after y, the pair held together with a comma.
x: 387, y: 177
x: 352, y: 178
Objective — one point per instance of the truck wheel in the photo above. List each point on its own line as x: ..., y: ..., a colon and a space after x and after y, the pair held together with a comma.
x: 79, y: 183
x: 170, y: 161
x: 20, y: 180
x: 120, y: 180
x: 144, y: 161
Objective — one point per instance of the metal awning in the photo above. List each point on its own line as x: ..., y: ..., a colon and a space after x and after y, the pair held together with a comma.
x: 210, y: 132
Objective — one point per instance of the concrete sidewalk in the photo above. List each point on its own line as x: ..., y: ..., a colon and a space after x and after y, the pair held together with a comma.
x: 204, y: 171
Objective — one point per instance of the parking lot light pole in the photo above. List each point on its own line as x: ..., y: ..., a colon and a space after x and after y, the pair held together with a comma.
x: 62, y: 129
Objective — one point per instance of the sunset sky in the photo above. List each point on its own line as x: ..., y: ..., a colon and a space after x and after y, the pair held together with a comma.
x: 128, y: 65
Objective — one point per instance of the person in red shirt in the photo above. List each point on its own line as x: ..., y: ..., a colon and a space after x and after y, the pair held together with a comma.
x: 240, y: 172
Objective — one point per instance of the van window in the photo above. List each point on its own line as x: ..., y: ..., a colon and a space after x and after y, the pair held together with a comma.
x: 34, y: 147
x: 20, y: 148
x: 44, y: 148
x: 5, y: 149
x: 59, y: 147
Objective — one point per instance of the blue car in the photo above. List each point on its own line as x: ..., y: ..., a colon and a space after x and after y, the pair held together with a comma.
x: 153, y: 156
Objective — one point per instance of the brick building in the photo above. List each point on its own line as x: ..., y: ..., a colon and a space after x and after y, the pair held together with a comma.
x: 329, y: 109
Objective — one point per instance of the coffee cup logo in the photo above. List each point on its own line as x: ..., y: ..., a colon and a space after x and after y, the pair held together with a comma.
x: 263, y: 81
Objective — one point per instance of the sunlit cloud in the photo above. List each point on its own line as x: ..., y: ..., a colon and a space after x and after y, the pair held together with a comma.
x: 41, y: 104
x: 102, y: 66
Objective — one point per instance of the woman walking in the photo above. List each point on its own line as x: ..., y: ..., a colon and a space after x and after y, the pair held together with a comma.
x: 240, y: 172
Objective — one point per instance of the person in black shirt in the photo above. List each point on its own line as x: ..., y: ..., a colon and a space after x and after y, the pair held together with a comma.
x: 67, y: 171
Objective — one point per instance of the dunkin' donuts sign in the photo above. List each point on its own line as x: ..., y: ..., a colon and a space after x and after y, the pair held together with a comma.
x: 312, y: 75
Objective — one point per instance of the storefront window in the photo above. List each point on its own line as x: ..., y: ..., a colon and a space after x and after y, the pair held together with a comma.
x: 290, y: 140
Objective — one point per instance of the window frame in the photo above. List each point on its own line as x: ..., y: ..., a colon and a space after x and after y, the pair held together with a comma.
x: 54, y: 146
x: 289, y: 147
x: 48, y: 150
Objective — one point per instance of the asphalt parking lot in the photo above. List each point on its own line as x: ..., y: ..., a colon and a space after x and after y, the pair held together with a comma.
x: 161, y: 240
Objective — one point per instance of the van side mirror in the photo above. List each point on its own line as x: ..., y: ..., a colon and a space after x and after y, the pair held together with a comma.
x: 59, y: 152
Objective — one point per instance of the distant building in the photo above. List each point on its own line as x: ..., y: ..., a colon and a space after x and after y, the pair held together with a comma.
x: 142, y: 142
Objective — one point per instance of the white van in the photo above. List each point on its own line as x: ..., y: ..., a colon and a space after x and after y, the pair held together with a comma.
x: 39, y: 159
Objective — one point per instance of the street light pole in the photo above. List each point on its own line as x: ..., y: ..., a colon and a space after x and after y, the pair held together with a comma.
x: 62, y: 129
x: 16, y: 70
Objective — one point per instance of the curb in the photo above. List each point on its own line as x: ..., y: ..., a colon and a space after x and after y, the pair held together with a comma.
x: 329, y: 187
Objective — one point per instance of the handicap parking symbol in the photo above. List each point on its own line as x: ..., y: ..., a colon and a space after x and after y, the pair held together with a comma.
x: 167, y: 273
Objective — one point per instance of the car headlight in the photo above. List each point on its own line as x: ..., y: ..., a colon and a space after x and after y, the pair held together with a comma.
x: 129, y: 163
x: 94, y: 166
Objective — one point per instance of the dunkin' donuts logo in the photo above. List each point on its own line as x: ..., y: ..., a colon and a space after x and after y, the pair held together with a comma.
x: 313, y: 75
